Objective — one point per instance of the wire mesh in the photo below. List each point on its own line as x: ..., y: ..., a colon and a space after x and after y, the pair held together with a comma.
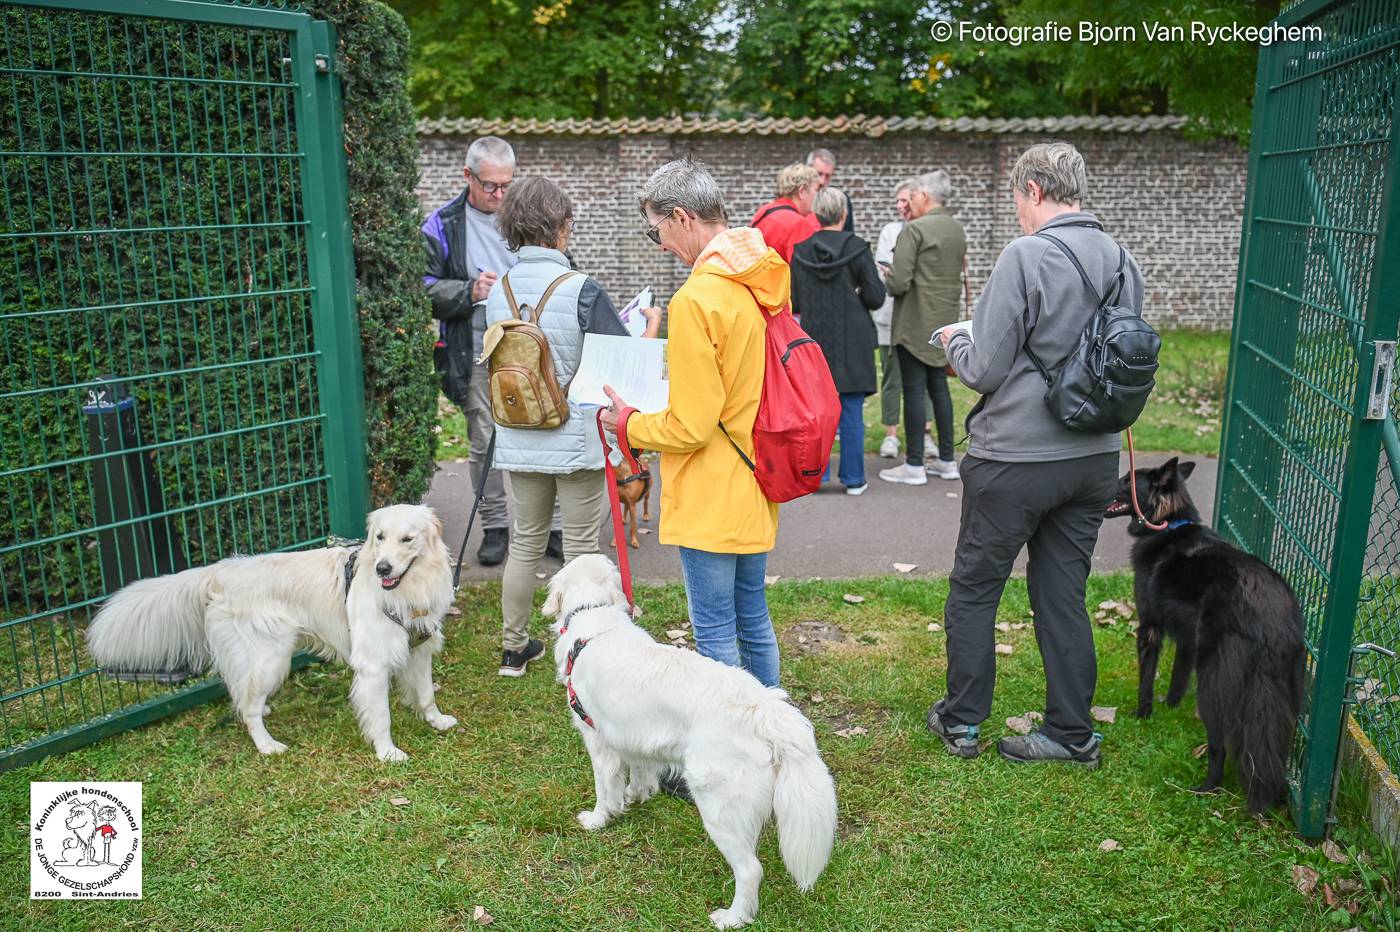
x: 1323, y: 132
x: 158, y: 392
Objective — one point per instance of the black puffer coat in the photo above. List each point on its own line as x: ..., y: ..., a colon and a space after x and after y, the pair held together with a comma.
x: 835, y: 286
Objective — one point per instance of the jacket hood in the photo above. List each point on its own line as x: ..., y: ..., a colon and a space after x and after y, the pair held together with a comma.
x: 741, y: 255
x: 827, y: 251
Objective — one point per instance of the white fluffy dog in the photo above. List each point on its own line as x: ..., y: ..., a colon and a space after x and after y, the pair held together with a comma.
x: 245, y: 616
x: 649, y: 708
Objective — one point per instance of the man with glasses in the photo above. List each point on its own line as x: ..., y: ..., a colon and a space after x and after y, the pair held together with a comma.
x: 466, y: 256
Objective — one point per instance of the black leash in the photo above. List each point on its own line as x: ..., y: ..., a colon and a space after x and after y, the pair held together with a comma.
x: 476, y: 504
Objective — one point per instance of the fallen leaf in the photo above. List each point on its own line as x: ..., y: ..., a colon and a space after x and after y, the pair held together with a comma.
x: 769, y: 580
x: 935, y: 626
x: 453, y: 611
x: 1104, y: 713
x: 1020, y: 725
x: 906, y: 567
x: 1107, y: 604
x: 1347, y: 886
x: 643, y: 530
x: 950, y: 494
x: 1003, y: 626
x: 1019, y: 626
x: 1200, y: 751
x: 817, y: 697
x: 851, y: 732
x: 1334, y: 853
x: 853, y: 599
x: 1329, y: 897
x: 481, y: 917
x: 674, y: 633
x: 539, y: 575
x: 1035, y: 716
x: 1004, y: 648
x: 1124, y: 609
x: 1305, y: 879
x: 399, y: 801
x: 1108, y: 844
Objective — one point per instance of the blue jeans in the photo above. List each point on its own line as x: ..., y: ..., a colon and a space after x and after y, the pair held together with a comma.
x: 851, y: 467
x: 729, y: 610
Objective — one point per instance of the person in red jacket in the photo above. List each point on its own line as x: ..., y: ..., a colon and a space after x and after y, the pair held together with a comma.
x: 788, y: 220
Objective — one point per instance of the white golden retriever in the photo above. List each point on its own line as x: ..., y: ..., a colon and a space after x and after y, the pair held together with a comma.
x: 650, y: 708
x: 245, y: 616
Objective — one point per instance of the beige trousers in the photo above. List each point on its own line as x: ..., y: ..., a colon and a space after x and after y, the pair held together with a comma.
x: 583, y: 502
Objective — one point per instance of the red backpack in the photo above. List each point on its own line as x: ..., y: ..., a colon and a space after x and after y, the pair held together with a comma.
x: 797, y: 413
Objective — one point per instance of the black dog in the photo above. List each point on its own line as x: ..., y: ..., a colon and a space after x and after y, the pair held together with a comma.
x: 1235, y: 622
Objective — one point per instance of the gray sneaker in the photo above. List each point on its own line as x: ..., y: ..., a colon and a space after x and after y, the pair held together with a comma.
x: 961, y: 740
x: 1036, y: 748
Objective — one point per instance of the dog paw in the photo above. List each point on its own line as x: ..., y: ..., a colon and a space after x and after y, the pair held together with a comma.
x: 1206, y: 789
x: 1143, y: 712
x: 271, y: 747
x: 638, y: 794
x: 392, y: 755
x: 591, y: 820
x: 728, y: 919
x: 441, y: 722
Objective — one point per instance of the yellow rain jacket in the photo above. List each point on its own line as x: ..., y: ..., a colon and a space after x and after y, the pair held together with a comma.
x: 716, y: 324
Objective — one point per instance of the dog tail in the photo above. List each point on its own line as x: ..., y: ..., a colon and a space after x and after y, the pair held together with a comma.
x: 154, y: 625
x: 1271, y: 706
x: 804, y: 795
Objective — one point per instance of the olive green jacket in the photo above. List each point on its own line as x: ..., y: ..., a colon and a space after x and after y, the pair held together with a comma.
x: 926, y: 281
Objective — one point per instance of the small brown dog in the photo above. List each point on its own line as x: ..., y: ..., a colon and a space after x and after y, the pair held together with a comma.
x: 632, y: 487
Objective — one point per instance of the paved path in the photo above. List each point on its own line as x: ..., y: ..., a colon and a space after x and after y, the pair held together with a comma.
x: 829, y: 534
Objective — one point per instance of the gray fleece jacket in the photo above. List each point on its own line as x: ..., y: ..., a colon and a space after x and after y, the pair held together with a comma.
x: 1034, y: 287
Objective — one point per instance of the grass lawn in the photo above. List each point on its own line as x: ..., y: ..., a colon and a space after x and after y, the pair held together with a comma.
x: 311, y: 840
x: 1183, y: 414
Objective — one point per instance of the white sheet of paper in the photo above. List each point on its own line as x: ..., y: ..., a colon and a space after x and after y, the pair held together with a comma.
x: 635, y: 368
x: 632, y: 317
x: 964, y: 325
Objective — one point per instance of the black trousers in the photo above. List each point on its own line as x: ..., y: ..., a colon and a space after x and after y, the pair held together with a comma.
x: 1054, y: 509
x: 916, y: 379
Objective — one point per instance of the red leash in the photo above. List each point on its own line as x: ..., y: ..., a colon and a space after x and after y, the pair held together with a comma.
x: 1132, y: 485
x: 614, y: 502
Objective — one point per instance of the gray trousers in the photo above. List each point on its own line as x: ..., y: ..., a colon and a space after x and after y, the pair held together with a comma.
x: 480, y: 427
x: 1055, y: 510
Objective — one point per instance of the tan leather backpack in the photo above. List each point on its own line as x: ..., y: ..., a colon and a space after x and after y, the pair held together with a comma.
x: 525, y: 393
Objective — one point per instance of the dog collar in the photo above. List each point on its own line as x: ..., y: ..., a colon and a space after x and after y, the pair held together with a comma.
x: 1179, y: 522
x: 564, y: 625
x: 416, y: 636
x: 635, y: 477
x: 574, y: 702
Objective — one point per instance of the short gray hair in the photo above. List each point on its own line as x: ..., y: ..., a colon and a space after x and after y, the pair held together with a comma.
x: 685, y: 183
x: 908, y: 184
x: 936, y: 184
x: 1057, y: 167
x: 829, y: 206
x: 823, y: 154
x: 491, y: 149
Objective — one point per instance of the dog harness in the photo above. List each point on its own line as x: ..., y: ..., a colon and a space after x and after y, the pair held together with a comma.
x: 415, y: 636
x: 574, y: 702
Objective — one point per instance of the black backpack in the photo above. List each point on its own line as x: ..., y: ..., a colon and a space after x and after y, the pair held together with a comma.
x: 1102, y: 386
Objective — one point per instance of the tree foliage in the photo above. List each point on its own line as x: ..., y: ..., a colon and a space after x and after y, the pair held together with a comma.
x: 617, y: 58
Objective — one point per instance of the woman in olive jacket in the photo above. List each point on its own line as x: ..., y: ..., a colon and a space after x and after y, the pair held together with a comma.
x: 835, y: 287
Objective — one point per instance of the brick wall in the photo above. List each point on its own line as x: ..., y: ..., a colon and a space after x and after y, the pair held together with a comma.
x: 1176, y: 204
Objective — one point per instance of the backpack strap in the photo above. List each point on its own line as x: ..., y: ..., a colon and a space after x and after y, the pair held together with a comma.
x: 1115, y: 290
x: 544, y: 298
x: 774, y: 209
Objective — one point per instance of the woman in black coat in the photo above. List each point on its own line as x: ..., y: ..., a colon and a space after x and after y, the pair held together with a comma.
x: 835, y: 286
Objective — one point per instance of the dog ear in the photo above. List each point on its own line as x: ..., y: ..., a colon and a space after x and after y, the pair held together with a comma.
x: 551, y: 603
x: 1167, y: 468
x: 1183, y: 470
x: 435, y: 526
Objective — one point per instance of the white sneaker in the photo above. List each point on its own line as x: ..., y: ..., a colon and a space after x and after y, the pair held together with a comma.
x: 945, y: 469
x: 857, y: 489
x: 889, y: 447
x: 905, y: 474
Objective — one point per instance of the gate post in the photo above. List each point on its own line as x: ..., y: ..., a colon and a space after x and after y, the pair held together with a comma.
x: 340, y: 374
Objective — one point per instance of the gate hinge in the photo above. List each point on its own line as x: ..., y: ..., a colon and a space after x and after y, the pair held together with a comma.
x: 1382, y: 375
x: 323, y: 66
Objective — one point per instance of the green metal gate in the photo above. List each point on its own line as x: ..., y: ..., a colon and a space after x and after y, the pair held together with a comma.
x: 1304, y: 483
x: 180, y: 372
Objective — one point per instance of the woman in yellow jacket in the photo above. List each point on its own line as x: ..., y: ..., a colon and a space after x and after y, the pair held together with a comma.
x: 711, y: 506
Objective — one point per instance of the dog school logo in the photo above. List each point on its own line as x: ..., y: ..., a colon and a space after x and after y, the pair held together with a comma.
x: 84, y: 841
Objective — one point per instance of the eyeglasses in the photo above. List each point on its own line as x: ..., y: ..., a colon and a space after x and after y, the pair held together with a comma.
x: 654, y: 232
x: 490, y: 187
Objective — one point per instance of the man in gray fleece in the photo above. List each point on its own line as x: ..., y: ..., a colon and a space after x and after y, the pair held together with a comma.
x: 1027, y: 479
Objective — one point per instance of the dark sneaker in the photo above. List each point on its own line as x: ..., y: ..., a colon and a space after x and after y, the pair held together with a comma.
x: 674, y: 785
x: 555, y: 547
x: 961, y: 740
x: 1036, y: 748
x: 494, y: 541
x: 514, y: 662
